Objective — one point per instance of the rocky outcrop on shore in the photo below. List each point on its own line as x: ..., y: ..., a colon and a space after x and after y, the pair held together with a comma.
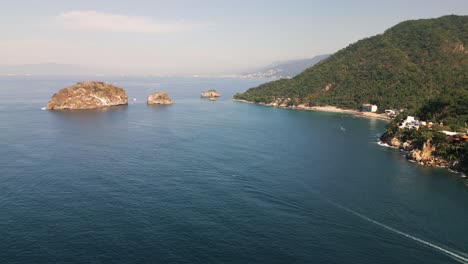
x: 161, y: 98
x: 424, y: 155
x: 87, y: 95
x: 210, y: 94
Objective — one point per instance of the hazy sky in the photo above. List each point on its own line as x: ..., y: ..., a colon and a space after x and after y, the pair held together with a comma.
x: 161, y: 37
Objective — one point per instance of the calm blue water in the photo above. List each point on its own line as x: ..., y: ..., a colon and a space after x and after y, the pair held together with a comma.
x: 212, y: 182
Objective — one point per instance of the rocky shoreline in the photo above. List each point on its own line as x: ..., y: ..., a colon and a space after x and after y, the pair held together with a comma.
x: 424, y: 156
x: 332, y: 109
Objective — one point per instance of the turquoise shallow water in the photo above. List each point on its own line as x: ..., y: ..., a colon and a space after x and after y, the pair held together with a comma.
x: 212, y: 182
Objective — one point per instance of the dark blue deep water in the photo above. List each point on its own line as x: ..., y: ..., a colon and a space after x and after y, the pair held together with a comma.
x: 213, y: 182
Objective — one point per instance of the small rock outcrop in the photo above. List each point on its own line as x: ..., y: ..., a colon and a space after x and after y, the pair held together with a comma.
x: 210, y: 94
x: 425, y: 156
x: 395, y: 142
x: 159, y: 98
x: 422, y: 155
x: 407, y: 146
x: 87, y: 95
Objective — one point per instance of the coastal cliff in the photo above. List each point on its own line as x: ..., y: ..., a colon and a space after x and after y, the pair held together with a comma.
x: 428, y: 147
x: 425, y: 155
x: 87, y: 95
x: 159, y: 98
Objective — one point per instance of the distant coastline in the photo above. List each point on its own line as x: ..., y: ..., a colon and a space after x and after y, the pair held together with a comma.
x: 332, y: 109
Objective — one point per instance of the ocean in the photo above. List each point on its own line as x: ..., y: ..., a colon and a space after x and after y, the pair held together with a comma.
x: 212, y: 182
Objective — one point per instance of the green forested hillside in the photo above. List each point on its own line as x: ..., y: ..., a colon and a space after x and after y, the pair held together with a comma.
x: 409, y: 65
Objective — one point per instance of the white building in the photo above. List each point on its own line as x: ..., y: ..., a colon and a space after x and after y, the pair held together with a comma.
x: 369, y: 108
x: 410, y: 122
x: 410, y: 119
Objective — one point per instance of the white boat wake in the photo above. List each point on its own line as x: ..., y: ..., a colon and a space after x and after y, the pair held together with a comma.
x: 459, y: 257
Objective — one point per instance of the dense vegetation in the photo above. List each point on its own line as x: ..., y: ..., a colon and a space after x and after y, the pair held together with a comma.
x: 449, y: 109
x: 420, y: 65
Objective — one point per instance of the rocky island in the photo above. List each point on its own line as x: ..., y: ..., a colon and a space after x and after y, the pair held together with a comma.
x: 161, y: 98
x: 210, y: 94
x: 87, y: 95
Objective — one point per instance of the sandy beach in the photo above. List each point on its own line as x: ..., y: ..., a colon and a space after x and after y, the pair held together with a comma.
x: 333, y: 109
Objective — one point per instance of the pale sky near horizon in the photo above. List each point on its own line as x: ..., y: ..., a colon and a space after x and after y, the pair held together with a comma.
x: 188, y: 37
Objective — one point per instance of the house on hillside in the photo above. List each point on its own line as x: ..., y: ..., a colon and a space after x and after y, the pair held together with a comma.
x: 369, y: 108
x: 392, y: 113
x: 410, y: 122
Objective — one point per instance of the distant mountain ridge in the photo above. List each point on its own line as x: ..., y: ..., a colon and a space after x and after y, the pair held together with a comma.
x: 284, y: 69
x: 405, y: 67
x: 46, y: 69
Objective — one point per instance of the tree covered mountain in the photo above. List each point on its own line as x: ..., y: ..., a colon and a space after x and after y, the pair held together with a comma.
x: 408, y: 66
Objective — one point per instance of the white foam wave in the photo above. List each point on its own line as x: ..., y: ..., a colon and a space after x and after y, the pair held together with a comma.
x: 382, y: 144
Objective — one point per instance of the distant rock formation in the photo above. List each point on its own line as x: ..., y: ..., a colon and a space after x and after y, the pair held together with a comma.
x: 159, y: 98
x: 87, y: 95
x: 210, y: 94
